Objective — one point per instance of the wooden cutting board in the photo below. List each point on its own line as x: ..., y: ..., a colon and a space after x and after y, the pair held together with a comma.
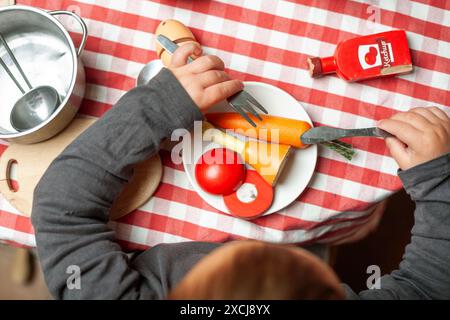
x: 31, y: 161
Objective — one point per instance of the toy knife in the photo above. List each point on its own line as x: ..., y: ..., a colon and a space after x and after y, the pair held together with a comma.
x: 323, y: 134
x: 169, y: 45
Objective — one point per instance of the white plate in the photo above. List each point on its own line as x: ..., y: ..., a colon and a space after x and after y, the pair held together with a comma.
x: 301, y: 163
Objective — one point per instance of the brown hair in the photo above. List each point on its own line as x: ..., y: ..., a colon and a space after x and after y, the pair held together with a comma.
x: 257, y: 270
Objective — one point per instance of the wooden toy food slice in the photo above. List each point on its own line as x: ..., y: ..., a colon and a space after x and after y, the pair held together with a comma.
x: 175, y: 31
x: 268, y: 159
x: 252, y: 199
x: 33, y: 160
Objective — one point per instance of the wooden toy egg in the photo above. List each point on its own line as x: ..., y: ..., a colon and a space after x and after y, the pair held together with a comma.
x: 175, y: 31
x: 252, y: 199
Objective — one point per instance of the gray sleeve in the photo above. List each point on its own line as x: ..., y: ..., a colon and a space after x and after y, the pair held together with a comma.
x: 72, y: 200
x: 424, y: 272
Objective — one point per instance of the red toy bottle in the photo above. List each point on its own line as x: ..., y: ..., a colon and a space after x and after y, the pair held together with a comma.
x: 367, y: 57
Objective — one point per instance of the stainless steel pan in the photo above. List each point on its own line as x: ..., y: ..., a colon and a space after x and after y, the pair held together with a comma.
x: 48, y: 57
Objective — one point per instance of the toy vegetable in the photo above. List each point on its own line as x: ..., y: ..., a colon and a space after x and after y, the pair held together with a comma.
x: 267, y: 159
x: 252, y: 199
x: 271, y: 128
x: 275, y: 129
x: 220, y: 171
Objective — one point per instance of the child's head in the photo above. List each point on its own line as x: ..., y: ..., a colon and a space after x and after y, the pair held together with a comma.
x: 256, y: 270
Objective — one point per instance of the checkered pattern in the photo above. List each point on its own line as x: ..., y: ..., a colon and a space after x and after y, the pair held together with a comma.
x: 267, y: 41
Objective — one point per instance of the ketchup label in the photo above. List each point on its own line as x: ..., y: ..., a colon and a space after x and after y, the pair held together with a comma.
x: 375, y: 55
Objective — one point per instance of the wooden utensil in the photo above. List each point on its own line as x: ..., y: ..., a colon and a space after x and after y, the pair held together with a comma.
x: 267, y: 159
x: 33, y: 160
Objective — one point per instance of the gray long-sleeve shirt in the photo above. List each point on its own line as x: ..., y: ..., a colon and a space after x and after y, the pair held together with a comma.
x: 72, y: 201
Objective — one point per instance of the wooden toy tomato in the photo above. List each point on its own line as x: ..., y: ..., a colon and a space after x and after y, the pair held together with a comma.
x: 220, y: 171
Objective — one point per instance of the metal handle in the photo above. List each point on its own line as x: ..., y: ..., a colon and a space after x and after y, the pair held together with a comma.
x: 169, y: 45
x: 321, y: 134
x: 80, y: 21
x: 16, y: 63
x: 367, y: 132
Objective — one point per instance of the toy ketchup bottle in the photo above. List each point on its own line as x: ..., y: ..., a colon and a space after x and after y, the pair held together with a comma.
x: 367, y: 57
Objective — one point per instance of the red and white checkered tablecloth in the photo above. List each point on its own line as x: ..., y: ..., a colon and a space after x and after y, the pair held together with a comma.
x: 267, y: 41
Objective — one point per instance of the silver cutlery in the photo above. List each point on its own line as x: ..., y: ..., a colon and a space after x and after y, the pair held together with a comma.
x: 322, y: 134
x: 150, y: 70
x: 241, y: 102
x: 36, y: 105
x: 328, y: 137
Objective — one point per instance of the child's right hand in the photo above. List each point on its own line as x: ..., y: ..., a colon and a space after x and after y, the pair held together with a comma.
x: 204, y: 79
x: 421, y: 134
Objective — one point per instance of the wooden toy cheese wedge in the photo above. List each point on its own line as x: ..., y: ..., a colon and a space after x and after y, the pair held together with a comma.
x: 268, y: 159
x: 175, y: 31
x: 33, y: 160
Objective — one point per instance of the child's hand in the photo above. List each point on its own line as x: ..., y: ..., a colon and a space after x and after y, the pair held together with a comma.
x: 422, y: 134
x: 204, y: 79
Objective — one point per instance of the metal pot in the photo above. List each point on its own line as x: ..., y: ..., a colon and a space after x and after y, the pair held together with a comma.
x: 48, y: 56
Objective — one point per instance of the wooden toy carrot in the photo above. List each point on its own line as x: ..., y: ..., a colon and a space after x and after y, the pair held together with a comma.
x: 271, y: 128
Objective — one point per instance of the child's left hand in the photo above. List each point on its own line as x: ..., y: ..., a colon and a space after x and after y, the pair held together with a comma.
x: 204, y: 79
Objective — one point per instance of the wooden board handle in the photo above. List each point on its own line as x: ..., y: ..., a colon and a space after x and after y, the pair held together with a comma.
x: 6, y: 182
x: 9, y: 182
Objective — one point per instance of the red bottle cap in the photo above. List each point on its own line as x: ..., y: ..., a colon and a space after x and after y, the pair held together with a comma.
x: 320, y: 66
